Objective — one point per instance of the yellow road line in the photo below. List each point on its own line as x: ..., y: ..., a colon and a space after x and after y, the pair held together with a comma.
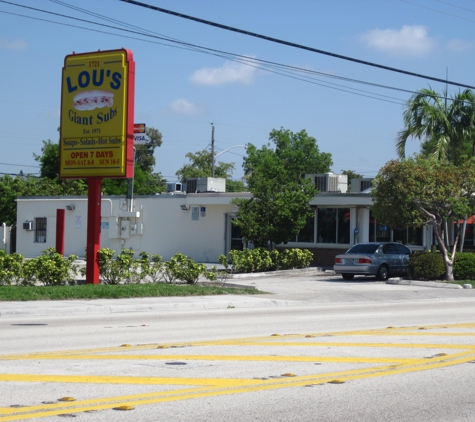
x: 369, y: 345
x: 228, y: 389
x: 246, y: 340
x: 251, y: 358
x: 109, y: 379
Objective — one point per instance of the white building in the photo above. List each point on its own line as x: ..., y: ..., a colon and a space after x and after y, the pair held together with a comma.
x: 199, y: 224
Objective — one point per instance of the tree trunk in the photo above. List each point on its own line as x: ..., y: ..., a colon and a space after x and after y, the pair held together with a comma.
x: 449, y: 264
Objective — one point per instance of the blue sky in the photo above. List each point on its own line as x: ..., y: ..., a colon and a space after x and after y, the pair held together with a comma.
x: 181, y: 91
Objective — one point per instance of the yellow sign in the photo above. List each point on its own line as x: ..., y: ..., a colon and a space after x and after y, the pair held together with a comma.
x: 97, y: 115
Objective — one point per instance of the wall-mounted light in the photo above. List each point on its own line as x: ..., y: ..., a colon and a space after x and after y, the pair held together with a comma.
x: 70, y: 207
x: 185, y: 207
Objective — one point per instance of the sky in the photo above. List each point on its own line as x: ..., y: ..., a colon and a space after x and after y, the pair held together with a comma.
x: 190, y: 76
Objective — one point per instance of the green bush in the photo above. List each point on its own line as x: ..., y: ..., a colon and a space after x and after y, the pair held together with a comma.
x: 11, y: 268
x: 464, y: 266
x: 154, y: 268
x: 426, y: 266
x: 50, y: 268
x: 260, y: 259
x: 294, y: 258
x: 123, y: 268
x: 183, y: 268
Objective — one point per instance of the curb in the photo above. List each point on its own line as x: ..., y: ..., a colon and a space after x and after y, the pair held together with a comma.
x: 118, y: 308
x: 436, y: 284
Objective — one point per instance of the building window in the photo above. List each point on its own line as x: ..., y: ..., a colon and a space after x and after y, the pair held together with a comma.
x: 307, y: 234
x: 378, y: 232
x: 469, y: 239
x: 381, y: 233
x: 40, y: 230
x: 333, y: 225
x: 410, y: 236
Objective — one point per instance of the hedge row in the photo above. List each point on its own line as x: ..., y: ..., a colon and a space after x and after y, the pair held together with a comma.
x: 51, y: 268
x: 430, y: 266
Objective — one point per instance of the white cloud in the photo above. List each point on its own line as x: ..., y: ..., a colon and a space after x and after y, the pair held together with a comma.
x: 16, y: 44
x: 411, y: 40
x: 183, y: 106
x: 229, y: 73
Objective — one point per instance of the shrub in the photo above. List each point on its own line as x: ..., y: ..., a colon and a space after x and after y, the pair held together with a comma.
x: 426, y: 266
x: 184, y: 268
x: 123, y: 268
x: 464, y: 266
x: 294, y: 258
x: 155, y: 268
x: 50, y: 268
x: 260, y: 259
x: 11, y: 268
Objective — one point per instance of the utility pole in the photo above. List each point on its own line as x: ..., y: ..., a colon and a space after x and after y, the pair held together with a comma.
x: 212, y: 150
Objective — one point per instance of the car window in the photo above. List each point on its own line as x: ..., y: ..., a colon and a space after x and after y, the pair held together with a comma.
x: 364, y: 248
x: 403, y: 250
x: 390, y: 249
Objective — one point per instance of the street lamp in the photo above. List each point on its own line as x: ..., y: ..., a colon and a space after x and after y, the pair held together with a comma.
x: 222, y: 152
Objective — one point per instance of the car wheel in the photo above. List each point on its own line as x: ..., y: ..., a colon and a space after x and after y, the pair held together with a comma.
x: 348, y: 276
x: 383, y: 273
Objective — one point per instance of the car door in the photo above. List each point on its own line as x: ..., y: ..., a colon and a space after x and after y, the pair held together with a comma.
x: 391, y: 256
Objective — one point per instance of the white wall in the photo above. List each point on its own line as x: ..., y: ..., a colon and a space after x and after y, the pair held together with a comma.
x: 167, y: 229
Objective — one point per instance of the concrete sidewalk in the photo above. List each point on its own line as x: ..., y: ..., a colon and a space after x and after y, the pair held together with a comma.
x: 283, y: 288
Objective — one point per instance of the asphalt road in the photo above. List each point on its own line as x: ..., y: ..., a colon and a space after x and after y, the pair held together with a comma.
x: 316, y: 348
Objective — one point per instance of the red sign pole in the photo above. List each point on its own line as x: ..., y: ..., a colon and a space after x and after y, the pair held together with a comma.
x: 60, y: 224
x: 93, y: 230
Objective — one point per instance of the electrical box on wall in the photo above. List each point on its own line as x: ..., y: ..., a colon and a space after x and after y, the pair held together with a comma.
x: 136, y: 229
x: 125, y: 229
x: 114, y: 228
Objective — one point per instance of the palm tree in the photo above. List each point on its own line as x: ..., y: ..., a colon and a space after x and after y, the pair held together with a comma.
x: 447, y: 130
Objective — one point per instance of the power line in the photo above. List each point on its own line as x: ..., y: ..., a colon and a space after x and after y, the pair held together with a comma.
x: 259, y: 63
x: 219, y: 53
x: 454, y: 5
x: 18, y: 165
x: 291, y: 44
x: 439, y: 11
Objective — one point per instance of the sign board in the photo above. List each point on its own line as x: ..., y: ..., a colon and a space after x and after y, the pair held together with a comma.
x: 97, y: 115
x: 139, y: 134
x: 140, y: 139
x: 139, y: 128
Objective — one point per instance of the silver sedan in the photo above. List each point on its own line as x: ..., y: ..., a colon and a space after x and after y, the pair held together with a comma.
x: 381, y: 259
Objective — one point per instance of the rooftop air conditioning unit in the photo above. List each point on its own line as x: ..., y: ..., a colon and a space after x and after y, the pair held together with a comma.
x: 205, y: 184
x: 360, y: 184
x: 176, y: 187
x: 330, y: 182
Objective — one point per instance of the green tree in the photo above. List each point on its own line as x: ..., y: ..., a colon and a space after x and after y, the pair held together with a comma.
x: 13, y: 187
x: 424, y: 191
x: 49, y: 159
x: 200, y: 166
x: 445, y: 127
x: 145, y: 183
x: 144, y: 153
x: 276, y: 178
x: 351, y: 175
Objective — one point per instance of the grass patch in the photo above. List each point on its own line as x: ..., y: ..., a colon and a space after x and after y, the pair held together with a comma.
x: 104, y: 291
